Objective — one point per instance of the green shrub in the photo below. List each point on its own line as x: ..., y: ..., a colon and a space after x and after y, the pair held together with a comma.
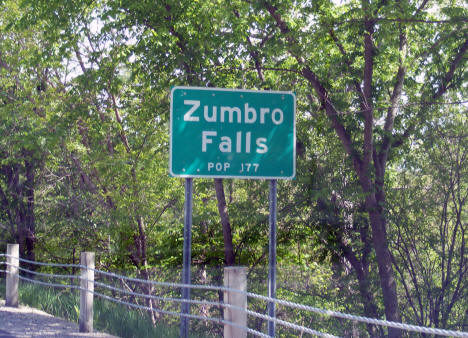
x: 108, y: 317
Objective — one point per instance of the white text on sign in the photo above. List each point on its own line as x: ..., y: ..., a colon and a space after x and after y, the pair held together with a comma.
x: 224, y: 166
x: 226, y: 114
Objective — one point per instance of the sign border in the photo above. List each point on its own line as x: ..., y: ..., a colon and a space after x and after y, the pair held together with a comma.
x: 171, y: 173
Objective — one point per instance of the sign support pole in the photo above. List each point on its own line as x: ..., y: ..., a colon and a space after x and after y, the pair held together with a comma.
x: 187, y: 255
x: 272, y: 258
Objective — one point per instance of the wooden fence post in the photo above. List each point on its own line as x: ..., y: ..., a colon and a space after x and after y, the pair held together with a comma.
x: 86, y: 293
x: 12, y: 277
x: 235, y: 277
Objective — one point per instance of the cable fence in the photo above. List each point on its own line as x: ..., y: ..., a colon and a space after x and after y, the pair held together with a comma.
x: 2, y: 265
x: 162, y: 299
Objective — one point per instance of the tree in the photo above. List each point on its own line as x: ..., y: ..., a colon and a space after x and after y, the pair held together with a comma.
x: 428, y: 211
x: 368, y: 75
x: 363, y: 83
x: 26, y: 121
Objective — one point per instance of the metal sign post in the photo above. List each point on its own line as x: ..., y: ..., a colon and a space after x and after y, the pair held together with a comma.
x: 272, y: 258
x: 231, y: 133
x: 185, y: 306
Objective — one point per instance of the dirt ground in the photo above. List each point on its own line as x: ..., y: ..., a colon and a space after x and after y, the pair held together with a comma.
x: 28, y: 322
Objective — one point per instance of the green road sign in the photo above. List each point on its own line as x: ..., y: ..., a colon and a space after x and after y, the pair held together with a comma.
x: 232, y: 133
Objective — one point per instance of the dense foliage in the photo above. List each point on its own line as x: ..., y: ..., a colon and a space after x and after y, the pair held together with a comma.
x: 377, y: 213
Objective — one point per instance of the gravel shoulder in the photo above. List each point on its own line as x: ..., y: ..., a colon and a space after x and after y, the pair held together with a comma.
x: 29, y: 322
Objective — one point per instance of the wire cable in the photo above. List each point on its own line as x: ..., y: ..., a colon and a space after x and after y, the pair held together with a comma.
x: 50, y: 264
x: 331, y: 313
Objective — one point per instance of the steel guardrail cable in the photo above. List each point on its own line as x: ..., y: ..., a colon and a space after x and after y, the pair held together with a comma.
x: 48, y: 264
x: 3, y: 263
x: 146, y: 296
x: 380, y: 322
x: 284, y: 323
x: 217, y: 320
x: 407, y: 327
x: 100, y: 295
x: 63, y: 286
x: 222, y: 304
x: 48, y: 274
x: 252, y: 313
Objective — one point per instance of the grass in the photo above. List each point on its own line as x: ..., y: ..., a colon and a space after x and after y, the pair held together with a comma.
x: 119, y: 320
x: 60, y: 302
x: 2, y: 288
x: 109, y: 317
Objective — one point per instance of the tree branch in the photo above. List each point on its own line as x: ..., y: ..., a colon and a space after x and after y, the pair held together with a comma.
x: 253, y: 53
x: 348, y: 62
x: 453, y: 66
x: 445, y: 82
x: 320, y: 90
x: 368, y: 88
x: 396, y: 95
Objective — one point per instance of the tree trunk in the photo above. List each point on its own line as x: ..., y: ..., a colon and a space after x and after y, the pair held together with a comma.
x: 30, y: 220
x: 227, y: 234
x: 384, y: 262
x: 370, y: 309
x: 18, y: 200
x: 141, y: 248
